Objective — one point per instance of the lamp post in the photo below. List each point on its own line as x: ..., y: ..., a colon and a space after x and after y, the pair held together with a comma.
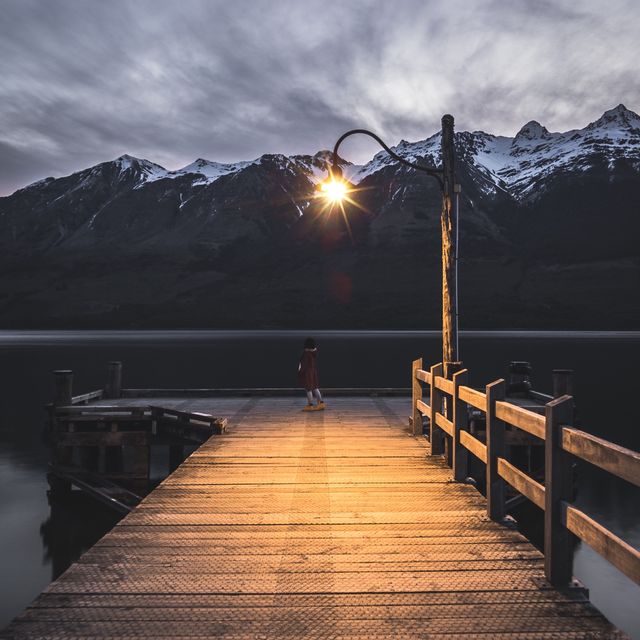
x: 445, y: 176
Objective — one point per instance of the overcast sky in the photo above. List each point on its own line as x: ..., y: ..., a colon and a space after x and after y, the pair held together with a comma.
x: 83, y: 81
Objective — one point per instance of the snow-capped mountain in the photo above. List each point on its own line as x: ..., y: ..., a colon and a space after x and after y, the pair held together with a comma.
x: 520, y: 165
x: 211, y: 238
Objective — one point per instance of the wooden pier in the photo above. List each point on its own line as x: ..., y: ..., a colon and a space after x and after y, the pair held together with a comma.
x: 334, y: 524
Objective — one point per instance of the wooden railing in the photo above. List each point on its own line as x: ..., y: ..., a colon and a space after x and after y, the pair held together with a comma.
x: 448, y: 418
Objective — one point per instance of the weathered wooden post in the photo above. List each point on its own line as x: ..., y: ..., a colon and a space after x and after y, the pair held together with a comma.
x: 558, y: 555
x: 450, y: 368
x: 460, y: 419
x: 449, y: 226
x: 435, y: 406
x: 63, y: 380
x: 113, y: 388
x: 495, y: 449
x: 416, y: 394
x: 562, y: 382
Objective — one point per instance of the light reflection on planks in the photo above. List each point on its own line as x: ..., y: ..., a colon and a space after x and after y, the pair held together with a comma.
x: 311, y: 525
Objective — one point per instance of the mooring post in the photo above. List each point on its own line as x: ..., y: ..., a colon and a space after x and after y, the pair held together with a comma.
x: 562, y: 382
x: 495, y: 449
x: 435, y: 406
x: 63, y: 381
x: 416, y: 394
x: 113, y: 388
x: 460, y: 423
x: 558, y: 556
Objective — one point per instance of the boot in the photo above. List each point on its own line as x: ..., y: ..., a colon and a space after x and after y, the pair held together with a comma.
x: 309, y: 407
x: 319, y: 406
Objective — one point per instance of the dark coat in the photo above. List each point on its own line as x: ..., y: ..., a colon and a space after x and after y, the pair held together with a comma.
x: 307, y: 370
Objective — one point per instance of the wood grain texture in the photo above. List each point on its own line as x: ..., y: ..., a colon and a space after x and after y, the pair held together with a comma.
x: 618, y: 460
x: 335, y: 523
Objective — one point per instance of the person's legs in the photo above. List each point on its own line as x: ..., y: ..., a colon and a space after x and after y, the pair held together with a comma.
x: 316, y: 393
x: 309, y: 406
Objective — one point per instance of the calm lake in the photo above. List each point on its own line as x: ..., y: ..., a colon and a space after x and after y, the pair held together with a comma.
x: 36, y: 544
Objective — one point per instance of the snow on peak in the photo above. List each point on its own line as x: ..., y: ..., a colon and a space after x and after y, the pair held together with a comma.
x: 618, y: 117
x: 533, y: 130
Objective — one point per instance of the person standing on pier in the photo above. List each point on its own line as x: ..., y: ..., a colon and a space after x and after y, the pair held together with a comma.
x: 308, y: 376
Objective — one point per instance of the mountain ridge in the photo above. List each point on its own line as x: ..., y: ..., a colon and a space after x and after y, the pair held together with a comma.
x: 548, y: 228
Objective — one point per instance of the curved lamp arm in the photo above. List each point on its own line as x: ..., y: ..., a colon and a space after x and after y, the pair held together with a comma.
x: 336, y: 170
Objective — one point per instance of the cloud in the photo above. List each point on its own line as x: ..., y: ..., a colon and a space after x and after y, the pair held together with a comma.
x: 85, y: 82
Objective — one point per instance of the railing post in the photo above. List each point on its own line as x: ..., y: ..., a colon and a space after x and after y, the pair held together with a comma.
x: 460, y: 423
x: 435, y: 405
x: 449, y: 369
x: 63, y: 379
x: 495, y: 449
x: 113, y: 388
x: 416, y: 394
x: 558, y: 556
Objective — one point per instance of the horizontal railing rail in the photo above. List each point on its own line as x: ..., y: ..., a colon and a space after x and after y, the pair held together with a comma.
x: 447, y: 412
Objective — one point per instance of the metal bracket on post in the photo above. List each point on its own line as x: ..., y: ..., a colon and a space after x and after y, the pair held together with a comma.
x: 416, y: 394
x: 558, y: 557
x: 495, y: 449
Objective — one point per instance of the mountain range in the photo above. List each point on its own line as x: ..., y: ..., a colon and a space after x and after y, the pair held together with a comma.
x: 549, y: 228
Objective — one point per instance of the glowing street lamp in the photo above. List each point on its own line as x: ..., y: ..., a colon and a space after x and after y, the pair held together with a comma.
x: 336, y: 189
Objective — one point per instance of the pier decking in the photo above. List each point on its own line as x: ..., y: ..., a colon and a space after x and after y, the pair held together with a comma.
x: 331, y: 524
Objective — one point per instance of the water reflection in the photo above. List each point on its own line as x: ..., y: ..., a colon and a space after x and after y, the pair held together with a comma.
x: 75, y: 524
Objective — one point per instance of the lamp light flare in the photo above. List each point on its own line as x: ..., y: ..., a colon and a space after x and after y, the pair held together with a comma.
x: 334, y: 190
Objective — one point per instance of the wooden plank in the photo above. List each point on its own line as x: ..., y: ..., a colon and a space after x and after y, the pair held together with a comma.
x: 612, y: 548
x: 521, y: 482
x: 474, y: 445
x: 475, y: 398
x: 622, y: 462
x: 518, y: 417
x: 87, y: 397
x: 423, y: 408
x: 443, y: 384
x: 444, y: 424
x: 102, y: 408
x: 423, y: 375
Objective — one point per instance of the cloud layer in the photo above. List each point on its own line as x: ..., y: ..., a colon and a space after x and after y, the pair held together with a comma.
x: 84, y: 82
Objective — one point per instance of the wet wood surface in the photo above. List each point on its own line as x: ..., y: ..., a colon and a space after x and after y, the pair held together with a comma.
x: 333, y: 524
